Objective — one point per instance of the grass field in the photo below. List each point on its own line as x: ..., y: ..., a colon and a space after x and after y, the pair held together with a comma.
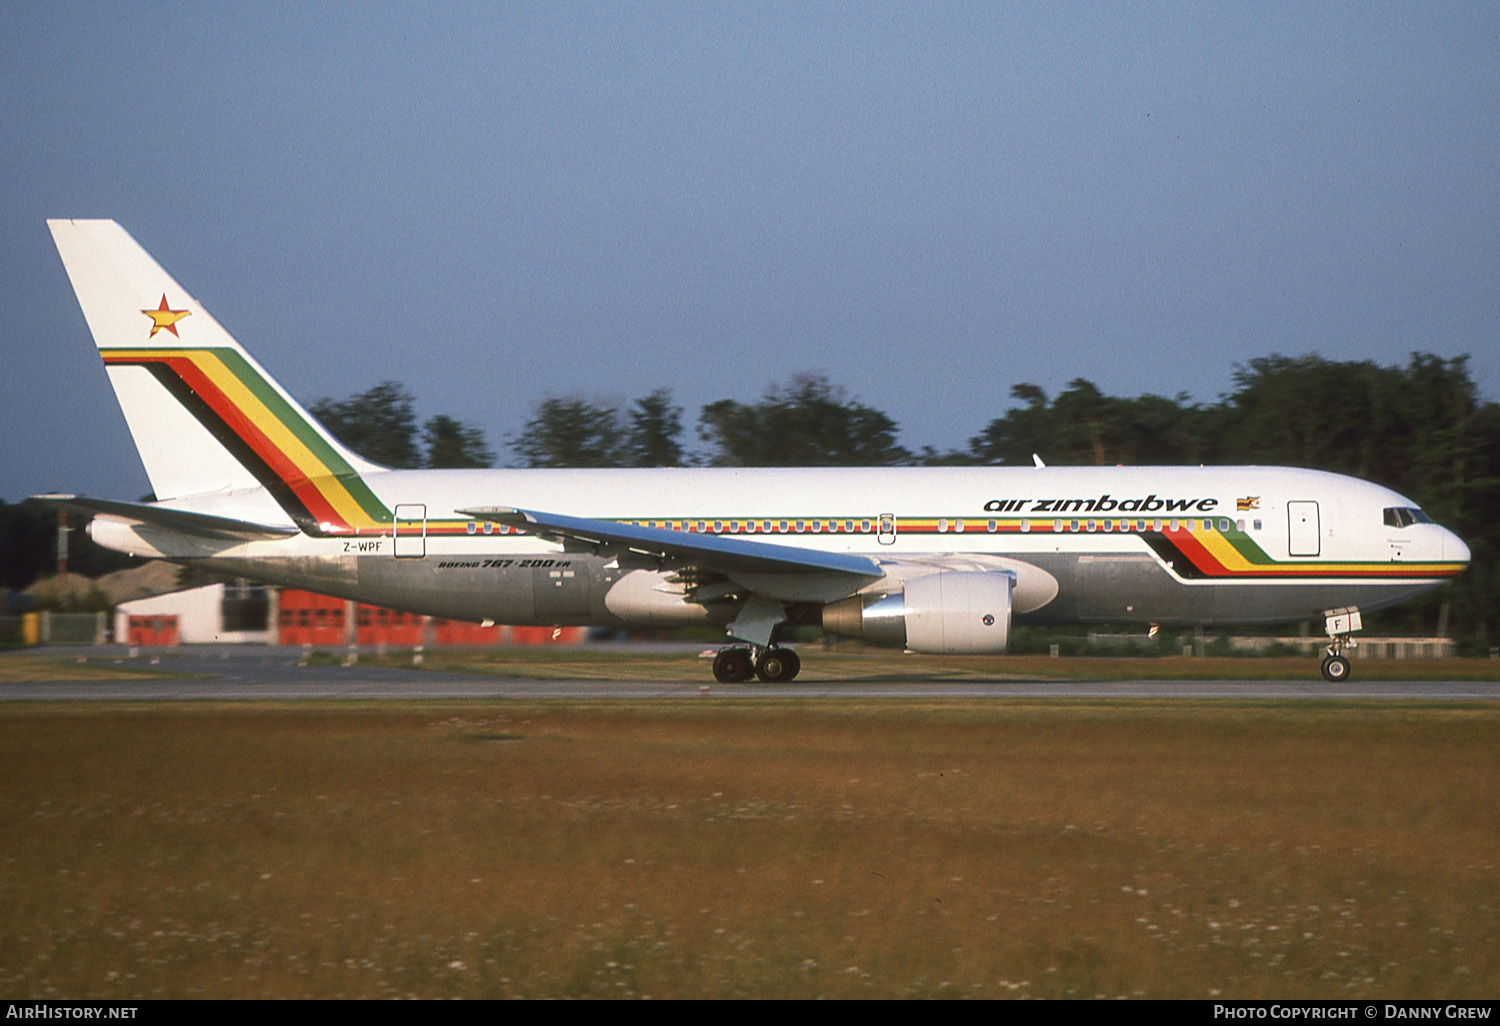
x: 781, y: 849
x: 45, y: 666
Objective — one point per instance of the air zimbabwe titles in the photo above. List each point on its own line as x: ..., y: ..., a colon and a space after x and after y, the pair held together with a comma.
x: 1103, y: 504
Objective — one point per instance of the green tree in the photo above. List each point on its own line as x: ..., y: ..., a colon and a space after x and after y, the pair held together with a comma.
x: 451, y: 443
x: 1084, y: 426
x: 1310, y: 412
x: 807, y: 423
x: 380, y: 424
x: 655, y: 430
x: 572, y: 432
x: 28, y: 542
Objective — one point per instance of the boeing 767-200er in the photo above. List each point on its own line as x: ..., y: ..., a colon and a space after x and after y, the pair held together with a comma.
x: 933, y: 560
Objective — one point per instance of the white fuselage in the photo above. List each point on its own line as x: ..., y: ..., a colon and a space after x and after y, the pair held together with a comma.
x: 1136, y: 544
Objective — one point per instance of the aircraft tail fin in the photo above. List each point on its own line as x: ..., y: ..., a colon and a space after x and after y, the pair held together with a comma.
x: 203, y: 414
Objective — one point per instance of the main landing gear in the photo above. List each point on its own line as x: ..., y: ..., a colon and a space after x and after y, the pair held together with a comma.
x: 1340, y: 624
x: 774, y: 665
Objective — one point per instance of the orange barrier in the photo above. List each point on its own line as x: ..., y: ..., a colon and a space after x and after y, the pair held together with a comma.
x: 307, y: 618
x: 153, y: 630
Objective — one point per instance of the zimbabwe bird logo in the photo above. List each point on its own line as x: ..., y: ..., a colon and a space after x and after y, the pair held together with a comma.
x: 165, y: 317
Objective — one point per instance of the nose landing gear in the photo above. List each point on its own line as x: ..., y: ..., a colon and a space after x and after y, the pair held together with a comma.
x: 1335, y: 668
x: 1340, y: 624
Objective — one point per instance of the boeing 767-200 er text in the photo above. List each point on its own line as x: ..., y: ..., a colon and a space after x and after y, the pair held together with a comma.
x: 934, y: 560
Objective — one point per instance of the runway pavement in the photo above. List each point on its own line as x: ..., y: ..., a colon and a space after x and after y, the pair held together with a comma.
x: 241, y: 673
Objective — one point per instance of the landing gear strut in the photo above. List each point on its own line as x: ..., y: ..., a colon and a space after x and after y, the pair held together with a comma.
x: 1340, y: 624
x: 774, y: 665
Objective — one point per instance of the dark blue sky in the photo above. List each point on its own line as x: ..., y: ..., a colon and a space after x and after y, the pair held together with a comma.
x: 497, y: 203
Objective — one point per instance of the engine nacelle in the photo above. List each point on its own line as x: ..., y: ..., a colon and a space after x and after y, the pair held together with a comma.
x: 951, y: 612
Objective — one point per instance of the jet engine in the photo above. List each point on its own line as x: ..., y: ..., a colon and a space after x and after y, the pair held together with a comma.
x: 950, y: 612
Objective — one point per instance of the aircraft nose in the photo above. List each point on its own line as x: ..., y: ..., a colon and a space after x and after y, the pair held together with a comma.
x: 1454, y: 549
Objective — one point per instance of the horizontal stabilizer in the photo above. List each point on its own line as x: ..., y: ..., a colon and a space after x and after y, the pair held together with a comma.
x: 728, y: 555
x: 204, y: 525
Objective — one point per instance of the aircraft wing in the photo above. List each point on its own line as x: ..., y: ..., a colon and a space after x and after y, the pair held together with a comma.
x: 204, y: 525
x: 735, y: 557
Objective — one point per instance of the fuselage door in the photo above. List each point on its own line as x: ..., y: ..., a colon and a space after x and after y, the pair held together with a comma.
x: 411, y: 531
x: 1302, y: 528
x: 887, y: 535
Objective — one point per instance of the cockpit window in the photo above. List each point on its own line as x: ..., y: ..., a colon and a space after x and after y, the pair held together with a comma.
x: 1405, y: 516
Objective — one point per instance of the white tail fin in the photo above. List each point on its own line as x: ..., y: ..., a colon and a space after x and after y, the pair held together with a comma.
x: 205, y: 417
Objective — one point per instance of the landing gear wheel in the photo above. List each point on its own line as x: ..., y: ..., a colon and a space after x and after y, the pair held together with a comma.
x: 777, y: 665
x: 1335, y: 669
x: 733, y: 666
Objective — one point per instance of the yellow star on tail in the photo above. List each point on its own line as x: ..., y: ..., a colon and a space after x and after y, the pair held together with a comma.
x: 162, y: 317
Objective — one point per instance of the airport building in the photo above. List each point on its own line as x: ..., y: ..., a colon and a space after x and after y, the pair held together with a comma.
x: 246, y: 613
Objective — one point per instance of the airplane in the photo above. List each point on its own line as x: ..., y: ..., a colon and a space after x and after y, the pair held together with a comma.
x: 932, y: 560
